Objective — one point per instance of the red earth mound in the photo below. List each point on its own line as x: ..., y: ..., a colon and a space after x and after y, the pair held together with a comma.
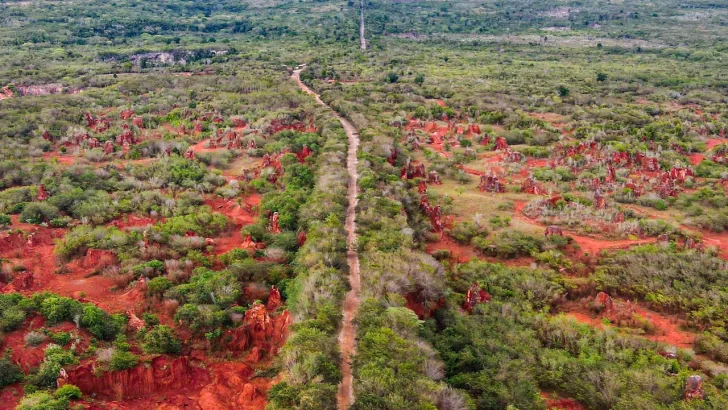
x: 161, y: 375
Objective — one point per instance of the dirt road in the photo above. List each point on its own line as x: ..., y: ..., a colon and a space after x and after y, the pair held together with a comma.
x: 362, y: 39
x: 347, y: 337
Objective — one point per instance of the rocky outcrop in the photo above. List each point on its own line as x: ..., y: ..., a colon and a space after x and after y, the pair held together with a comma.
x: 98, y: 259
x: 231, y: 389
x: 263, y: 333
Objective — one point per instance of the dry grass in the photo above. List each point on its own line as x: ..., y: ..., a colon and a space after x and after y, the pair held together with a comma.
x: 468, y: 201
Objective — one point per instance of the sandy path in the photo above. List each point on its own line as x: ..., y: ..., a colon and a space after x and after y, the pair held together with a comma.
x: 347, y: 337
x: 362, y: 39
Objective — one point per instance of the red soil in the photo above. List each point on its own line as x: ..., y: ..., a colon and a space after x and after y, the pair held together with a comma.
x: 537, y: 163
x: 554, y: 402
x: 233, y: 387
x: 696, y: 159
x: 164, y: 376
x: 196, y: 381
x: 667, y: 329
x: 200, y: 147
x: 41, y: 266
x: 234, y: 211
x: 459, y: 253
x: 713, y: 142
x: 471, y: 171
x: 62, y: 159
x: 133, y: 221
x: 719, y: 240
x: 173, y: 130
x: 587, y: 244
x: 440, y: 103
x: 10, y: 396
x: 27, y: 357
x: 415, y: 304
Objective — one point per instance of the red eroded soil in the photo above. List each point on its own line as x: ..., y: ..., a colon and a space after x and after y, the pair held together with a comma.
x: 696, y: 159
x: 587, y: 244
x: 200, y: 147
x: 667, y: 329
x: 719, y: 240
x: 233, y: 387
x: 62, y: 159
x: 595, y: 246
x: 713, y: 142
x: 553, y: 402
x: 172, y: 130
x: 440, y: 102
x: 42, y: 270
x: 415, y: 304
x: 10, y: 396
x: 133, y: 221
x: 537, y: 163
x: 459, y: 253
x: 241, y: 214
x: 164, y: 376
x: 196, y: 381
x: 472, y: 171
x: 27, y: 357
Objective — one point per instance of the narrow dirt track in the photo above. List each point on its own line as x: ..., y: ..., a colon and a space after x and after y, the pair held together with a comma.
x: 347, y: 337
x: 362, y: 39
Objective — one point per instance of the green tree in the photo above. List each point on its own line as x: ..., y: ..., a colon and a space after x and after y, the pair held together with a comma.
x: 9, y: 372
x: 68, y: 391
x: 161, y: 339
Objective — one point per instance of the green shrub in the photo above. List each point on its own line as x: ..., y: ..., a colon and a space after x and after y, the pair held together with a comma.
x: 42, y: 401
x: 510, y: 244
x: 711, y: 346
x: 37, y: 212
x: 68, y: 391
x: 101, y: 324
x: 161, y: 339
x: 464, y: 232
x: 11, y: 318
x: 121, y: 359
x: 149, y: 269
x: 57, y: 309
x: 150, y: 319
x: 55, y: 357
x: 60, y: 338
x: 9, y: 372
x: 158, y: 285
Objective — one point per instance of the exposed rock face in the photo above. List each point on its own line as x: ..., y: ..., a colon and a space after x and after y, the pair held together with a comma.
x: 604, y: 303
x: 231, y: 389
x: 6, y: 92
x: 274, y: 299
x: 138, y: 122
x: 261, y: 330
x: 164, y: 373
x: 98, y: 259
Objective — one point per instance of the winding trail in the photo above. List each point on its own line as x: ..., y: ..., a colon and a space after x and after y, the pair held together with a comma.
x: 362, y: 39
x: 347, y: 337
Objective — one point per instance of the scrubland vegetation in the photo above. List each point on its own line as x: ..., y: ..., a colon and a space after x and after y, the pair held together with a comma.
x: 168, y: 195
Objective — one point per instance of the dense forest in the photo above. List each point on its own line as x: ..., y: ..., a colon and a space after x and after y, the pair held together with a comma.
x: 484, y: 205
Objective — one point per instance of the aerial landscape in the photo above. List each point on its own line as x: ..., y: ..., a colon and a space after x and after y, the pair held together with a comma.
x: 363, y: 204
